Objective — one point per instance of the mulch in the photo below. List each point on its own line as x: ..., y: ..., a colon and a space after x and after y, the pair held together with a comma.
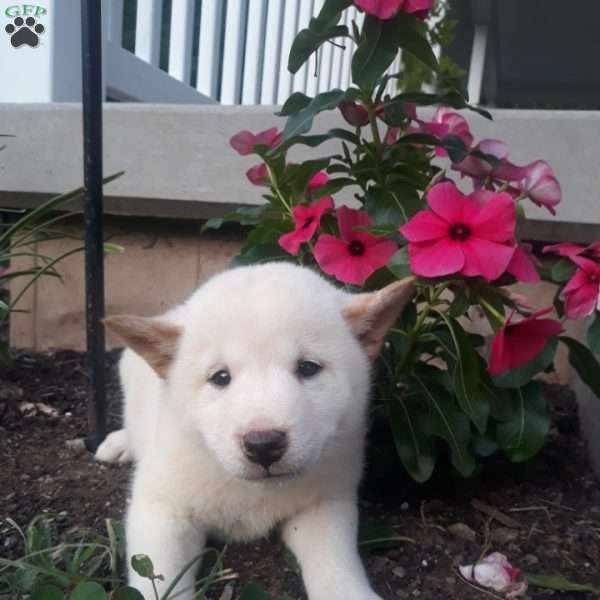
x: 545, y: 515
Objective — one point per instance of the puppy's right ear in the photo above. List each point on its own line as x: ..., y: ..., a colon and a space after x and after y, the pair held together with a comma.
x: 154, y: 340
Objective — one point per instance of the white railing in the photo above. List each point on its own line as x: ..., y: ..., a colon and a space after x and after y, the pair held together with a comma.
x: 242, y: 48
x: 236, y: 55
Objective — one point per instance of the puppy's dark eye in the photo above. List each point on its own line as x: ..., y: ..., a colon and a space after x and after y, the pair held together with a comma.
x: 221, y: 378
x: 307, y: 368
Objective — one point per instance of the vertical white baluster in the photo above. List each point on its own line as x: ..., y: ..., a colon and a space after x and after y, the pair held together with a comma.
x: 233, y: 51
x: 304, y: 15
x: 209, y: 48
x: 268, y: 94
x: 346, y: 71
x: 147, y: 30
x: 181, y: 39
x: 314, y: 62
x: 115, y: 21
x: 290, y: 19
x: 255, y: 51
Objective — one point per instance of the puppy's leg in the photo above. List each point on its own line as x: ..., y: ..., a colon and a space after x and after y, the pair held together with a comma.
x: 115, y: 448
x: 170, y: 541
x: 324, y: 540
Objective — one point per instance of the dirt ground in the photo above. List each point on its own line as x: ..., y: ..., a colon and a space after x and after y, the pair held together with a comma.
x: 547, y: 517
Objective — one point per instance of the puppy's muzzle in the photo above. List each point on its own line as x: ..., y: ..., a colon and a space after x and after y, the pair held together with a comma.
x: 265, y: 447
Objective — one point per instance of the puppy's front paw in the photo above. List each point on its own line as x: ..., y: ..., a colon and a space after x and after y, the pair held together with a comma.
x: 114, y: 448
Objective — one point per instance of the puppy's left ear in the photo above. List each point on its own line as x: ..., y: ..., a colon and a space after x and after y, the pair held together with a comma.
x: 370, y: 315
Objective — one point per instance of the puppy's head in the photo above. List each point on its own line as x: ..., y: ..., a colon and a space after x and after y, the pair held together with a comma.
x: 269, y: 365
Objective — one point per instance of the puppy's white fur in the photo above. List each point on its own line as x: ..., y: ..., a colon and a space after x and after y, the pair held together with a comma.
x: 192, y: 477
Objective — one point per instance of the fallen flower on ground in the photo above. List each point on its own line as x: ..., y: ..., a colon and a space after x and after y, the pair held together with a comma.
x: 495, y: 572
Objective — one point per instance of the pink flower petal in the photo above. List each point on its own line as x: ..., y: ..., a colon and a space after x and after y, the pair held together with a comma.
x: 582, y: 301
x: 382, y: 9
x: 424, y: 226
x: 486, y: 258
x: 437, y: 258
x: 522, y: 266
x: 351, y: 220
x: 564, y: 249
x: 446, y: 200
x: 496, y: 221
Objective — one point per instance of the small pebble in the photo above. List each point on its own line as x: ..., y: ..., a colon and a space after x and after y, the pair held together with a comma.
x: 404, y: 506
x: 399, y: 571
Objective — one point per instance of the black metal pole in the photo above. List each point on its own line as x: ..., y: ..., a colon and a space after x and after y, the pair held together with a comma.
x: 91, y: 40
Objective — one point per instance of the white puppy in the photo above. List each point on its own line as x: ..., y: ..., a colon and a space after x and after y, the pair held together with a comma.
x: 245, y: 408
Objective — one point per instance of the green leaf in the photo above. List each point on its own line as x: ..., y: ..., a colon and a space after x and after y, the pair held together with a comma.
x: 523, y: 435
x: 375, y: 53
x: 584, y: 362
x: 308, y: 41
x: 415, y: 448
x: 413, y: 41
x: 455, y: 147
x: 399, y: 264
x: 301, y: 122
x: 376, y: 536
x: 128, y: 593
x: 260, y: 254
x: 297, y: 101
x: 453, y: 99
x: 142, y: 565
x: 472, y: 396
x: 593, y: 334
x: 562, y: 270
x: 88, y: 590
x: 519, y: 377
x: 331, y: 12
x: 385, y: 209
x: 559, y: 583
x: 316, y: 140
x: 253, y: 591
x: 333, y: 186
x: 447, y: 422
x: 47, y: 592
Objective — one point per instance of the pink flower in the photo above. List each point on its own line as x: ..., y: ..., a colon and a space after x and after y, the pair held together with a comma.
x: 516, y: 344
x: 392, y: 135
x: 495, y: 572
x: 541, y: 185
x: 581, y: 293
x: 522, y: 264
x: 388, y: 9
x: 354, y: 113
x: 358, y: 254
x: 480, y: 169
x: 318, y: 180
x: 569, y: 250
x: 258, y: 174
x: 460, y: 236
x: 306, y: 220
x: 447, y: 122
x: 244, y: 142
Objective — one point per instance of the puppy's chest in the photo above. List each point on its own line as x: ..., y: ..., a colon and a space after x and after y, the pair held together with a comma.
x: 245, y: 512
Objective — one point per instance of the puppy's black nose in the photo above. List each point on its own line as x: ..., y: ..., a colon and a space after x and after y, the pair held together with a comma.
x: 265, y: 447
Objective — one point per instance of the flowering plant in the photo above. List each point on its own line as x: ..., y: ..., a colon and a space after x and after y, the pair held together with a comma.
x: 437, y: 384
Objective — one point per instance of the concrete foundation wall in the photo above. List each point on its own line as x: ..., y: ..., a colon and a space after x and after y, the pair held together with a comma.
x: 178, y: 162
x: 159, y: 268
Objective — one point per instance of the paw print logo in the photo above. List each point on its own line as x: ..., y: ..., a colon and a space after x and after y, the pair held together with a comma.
x: 24, y: 31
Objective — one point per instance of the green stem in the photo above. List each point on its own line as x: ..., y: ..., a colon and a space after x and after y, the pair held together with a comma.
x: 500, y: 318
x: 275, y: 186
x: 414, y: 334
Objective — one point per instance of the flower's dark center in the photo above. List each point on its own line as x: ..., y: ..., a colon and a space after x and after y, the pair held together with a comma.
x: 307, y: 223
x: 356, y: 248
x: 459, y: 232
